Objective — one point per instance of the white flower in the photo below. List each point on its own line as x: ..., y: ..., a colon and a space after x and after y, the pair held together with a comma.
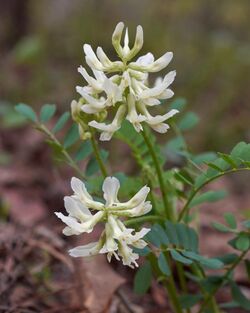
x: 80, y: 219
x: 125, y: 83
x: 116, y: 240
x: 108, y: 130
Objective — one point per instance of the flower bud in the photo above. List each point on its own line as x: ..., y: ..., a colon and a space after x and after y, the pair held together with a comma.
x: 101, y: 116
x: 84, y: 135
x: 116, y: 38
x: 74, y: 110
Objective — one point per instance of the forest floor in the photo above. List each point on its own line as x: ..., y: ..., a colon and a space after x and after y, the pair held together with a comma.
x: 36, y: 273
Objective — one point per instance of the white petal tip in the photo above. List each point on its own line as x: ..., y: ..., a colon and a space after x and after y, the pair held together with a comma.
x: 72, y: 253
x: 120, y: 24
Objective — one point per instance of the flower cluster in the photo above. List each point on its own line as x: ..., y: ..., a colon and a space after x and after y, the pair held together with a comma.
x: 122, y: 85
x: 116, y: 240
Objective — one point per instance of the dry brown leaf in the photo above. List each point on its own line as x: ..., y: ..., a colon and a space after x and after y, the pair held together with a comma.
x: 101, y: 282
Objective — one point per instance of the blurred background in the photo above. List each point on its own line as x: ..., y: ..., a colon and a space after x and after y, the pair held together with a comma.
x: 41, y: 48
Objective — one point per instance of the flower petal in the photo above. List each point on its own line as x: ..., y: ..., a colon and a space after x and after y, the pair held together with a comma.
x: 141, y: 209
x: 110, y: 189
x: 79, y: 188
x: 155, y: 66
x: 159, y: 88
x: 137, y: 45
x: 154, y: 120
x: 133, y: 117
x: 90, y: 80
x: 76, y: 208
x: 92, y: 248
x: 128, y: 256
x: 161, y: 128
x: 166, y: 94
x: 146, y: 59
x: 81, y: 193
x: 109, y: 129
x: 70, y: 222
x: 98, y: 104
x: 68, y: 231
x: 137, y: 199
x: 161, y: 63
x: 116, y: 38
x: 91, y: 58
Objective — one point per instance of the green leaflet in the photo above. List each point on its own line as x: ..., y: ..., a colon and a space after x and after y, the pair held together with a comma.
x: 61, y: 122
x: 228, y: 258
x: 209, y: 196
x: 243, y: 242
x: 26, y: 111
x: 47, y: 112
x: 72, y: 136
x: 188, y: 121
x: 171, y: 232
x: 204, y: 157
x: 143, y: 279
x: 239, y: 297
x: 180, y: 258
x: 178, y: 104
x: 189, y: 300
x: 163, y: 264
x: 230, y: 220
x: 182, y: 243
x: 84, y: 151
x: 221, y: 227
x: 238, y: 158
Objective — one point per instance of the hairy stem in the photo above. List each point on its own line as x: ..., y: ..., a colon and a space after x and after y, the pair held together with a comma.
x: 98, y: 155
x: 169, y: 212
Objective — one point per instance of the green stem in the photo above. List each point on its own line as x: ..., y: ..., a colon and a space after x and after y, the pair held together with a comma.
x: 172, y: 291
x: 169, y: 212
x: 142, y: 219
x: 98, y: 155
x: 182, y: 279
x: 225, y: 277
x: 152, y: 197
x: 68, y: 158
x: 186, y: 208
x: 181, y: 275
x: 169, y: 285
